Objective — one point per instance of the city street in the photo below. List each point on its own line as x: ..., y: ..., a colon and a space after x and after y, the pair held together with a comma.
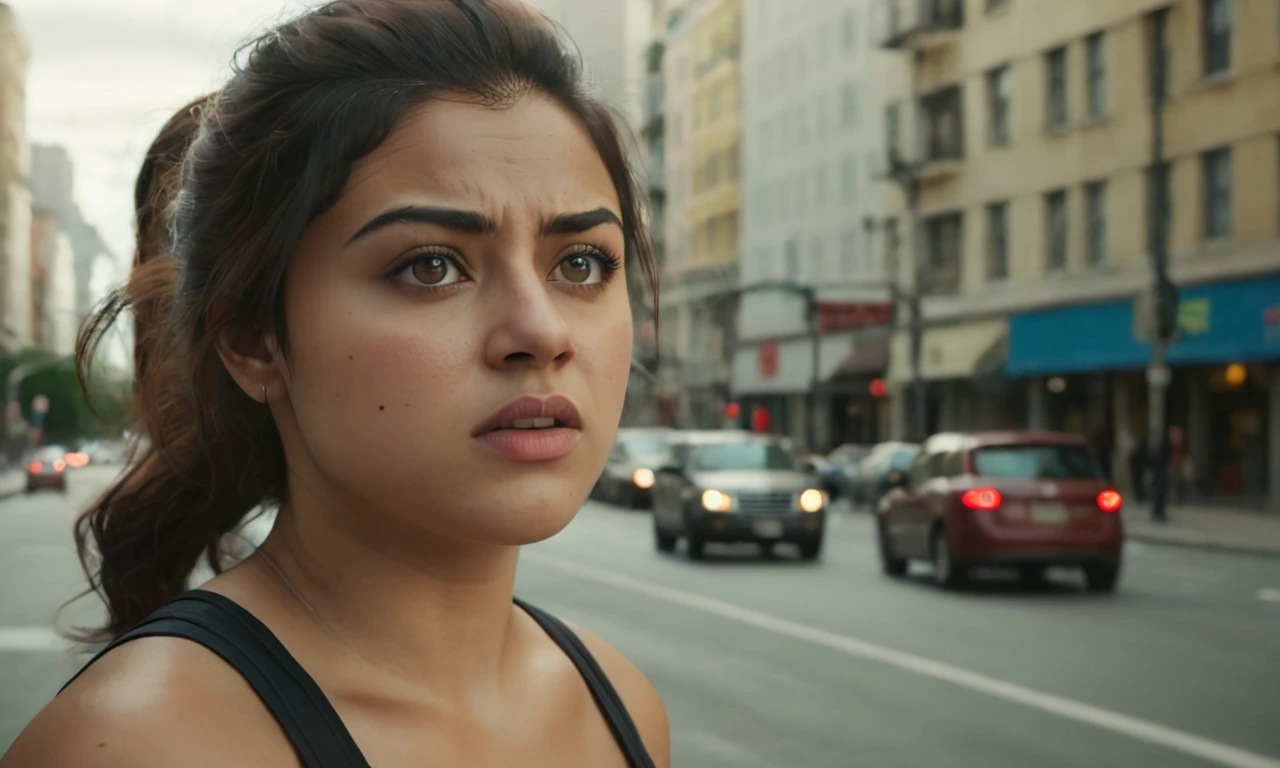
x: 796, y: 665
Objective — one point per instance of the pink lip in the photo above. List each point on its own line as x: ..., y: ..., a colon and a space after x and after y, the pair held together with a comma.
x: 532, y: 444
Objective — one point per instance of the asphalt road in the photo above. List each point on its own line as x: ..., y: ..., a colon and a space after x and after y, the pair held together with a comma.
x: 797, y: 665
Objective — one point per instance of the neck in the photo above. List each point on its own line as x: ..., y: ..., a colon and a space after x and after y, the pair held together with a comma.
x: 427, y: 610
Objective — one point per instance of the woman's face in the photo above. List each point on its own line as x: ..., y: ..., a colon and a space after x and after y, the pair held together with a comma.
x: 474, y: 259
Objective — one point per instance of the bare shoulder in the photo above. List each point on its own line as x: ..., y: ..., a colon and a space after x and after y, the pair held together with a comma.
x: 153, y: 702
x: 638, y: 694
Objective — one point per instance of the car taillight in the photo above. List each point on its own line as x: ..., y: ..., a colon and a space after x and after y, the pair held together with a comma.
x: 59, y: 465
x: 1110, y: 501
x: 981, y: 498
x: 35, y: 466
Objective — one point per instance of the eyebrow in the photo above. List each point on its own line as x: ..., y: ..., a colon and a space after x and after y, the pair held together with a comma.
x: 475, y: 223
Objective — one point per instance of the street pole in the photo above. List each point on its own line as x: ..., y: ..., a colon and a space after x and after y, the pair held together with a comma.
x: 1164, y: 296
x: 815, y: 332
x: 916, y: 310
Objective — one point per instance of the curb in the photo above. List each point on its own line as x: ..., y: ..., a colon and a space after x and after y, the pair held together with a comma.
x: 1203, y: 544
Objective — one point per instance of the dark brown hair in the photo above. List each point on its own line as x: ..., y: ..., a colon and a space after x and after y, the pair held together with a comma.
x: 276, y: 145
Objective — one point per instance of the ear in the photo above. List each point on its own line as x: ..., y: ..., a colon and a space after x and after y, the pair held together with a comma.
x: 252, y: 358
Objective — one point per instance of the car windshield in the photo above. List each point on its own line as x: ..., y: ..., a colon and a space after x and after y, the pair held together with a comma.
x: 1031, y: 462
x: 51, y: 453
x: 712, y: 458
x: 644, y: 445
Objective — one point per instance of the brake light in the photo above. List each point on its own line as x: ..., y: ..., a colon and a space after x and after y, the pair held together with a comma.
x: 35, y: 466
x: 1110, y: 501
x: 59, y: 465
x: 981, y: 498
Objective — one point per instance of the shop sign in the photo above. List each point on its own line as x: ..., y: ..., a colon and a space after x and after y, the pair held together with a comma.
x: 853, y: 315
x: 768, y: 360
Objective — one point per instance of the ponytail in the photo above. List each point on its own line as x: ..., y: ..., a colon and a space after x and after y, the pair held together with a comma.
x: 187, y: 486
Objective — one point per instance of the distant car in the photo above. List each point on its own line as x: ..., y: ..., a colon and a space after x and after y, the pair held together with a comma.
x: 48, y: 469
x: 1020, y: 499
x: 736, y: 487
x: 630, y: 471
x: 869, y: 480
x: 839, y: 465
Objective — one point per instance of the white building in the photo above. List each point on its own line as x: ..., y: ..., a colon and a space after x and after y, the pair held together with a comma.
x: 61, y: 321
x: 811, y: 219
x: 15, y: 194
x: 612, y: 36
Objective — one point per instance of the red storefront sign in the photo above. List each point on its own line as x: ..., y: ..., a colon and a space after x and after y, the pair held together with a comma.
x: 768, y: 360
x: 852, y: 315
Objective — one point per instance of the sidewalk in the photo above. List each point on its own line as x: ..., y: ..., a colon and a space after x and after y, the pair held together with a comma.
x: 12, y: 482
x: 1208, y: 528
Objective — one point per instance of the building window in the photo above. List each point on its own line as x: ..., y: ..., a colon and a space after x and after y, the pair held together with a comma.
x: 998, y: 106
x: 1096, y: 74
x: 850, y: 31
x: 848, y: 252
x: 944, y: 239
x: 792, y: 261
x: 1096, y: 222
x: 998, y: 241
x: 943, y: 115
x: 1217, y: 193
x: 848, y: 179
x: 893, y: 130
x: 1055, y: 92
x: 849, y: 104
x: 1217, y: 36
x: 1055, y: 230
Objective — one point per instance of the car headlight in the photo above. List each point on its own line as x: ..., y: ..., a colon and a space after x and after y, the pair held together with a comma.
x: 812, y: 500
x: 643, y: 478
x: 717, y: 501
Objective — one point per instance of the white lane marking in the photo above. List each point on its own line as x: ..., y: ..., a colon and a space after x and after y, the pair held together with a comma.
x: 1137, y: 728
x: 31, y: 639
x: 1269, y: 595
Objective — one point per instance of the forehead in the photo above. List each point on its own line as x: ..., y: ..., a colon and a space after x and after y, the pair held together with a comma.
x: 531, y: 153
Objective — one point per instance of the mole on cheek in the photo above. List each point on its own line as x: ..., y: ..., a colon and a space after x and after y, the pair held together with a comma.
x: 382, y: 407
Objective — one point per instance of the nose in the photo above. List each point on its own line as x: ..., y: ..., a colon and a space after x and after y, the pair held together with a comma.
x: 528, y: 329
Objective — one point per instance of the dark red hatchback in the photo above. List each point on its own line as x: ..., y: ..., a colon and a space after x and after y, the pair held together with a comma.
x: 1028, y: 500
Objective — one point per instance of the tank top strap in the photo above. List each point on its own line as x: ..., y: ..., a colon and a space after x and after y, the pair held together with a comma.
x: 295, y: 700
x: 606, y: 697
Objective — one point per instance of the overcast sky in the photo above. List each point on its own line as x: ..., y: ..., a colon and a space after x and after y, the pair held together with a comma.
x: 106, y: 74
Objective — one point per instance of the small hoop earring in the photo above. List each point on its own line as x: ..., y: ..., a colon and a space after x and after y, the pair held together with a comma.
x: 264, y: 394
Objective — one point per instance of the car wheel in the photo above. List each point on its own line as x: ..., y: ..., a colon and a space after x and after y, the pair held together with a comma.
x: 811, y: 550
x: 947, y: 573
x: 696, y: 546
x: 1102, y: 578
x: 663, y: 542
x: 891, y: 564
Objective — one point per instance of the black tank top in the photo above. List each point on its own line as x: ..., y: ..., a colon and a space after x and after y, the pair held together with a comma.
x: 296, y: 701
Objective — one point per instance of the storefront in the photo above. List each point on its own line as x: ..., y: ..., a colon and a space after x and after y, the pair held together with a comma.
x: 1084, y: 367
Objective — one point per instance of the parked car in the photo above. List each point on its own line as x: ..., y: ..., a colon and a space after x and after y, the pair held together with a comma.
x: 1020, y: 499
x: 631, y: 469
x: 736, y: 487
x: 870, y: 481
x: 48, y: 469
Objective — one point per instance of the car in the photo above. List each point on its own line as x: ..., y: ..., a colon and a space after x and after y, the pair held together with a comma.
x: 839, y: 465
x: 1026, y: 500
x: 724, y: 486
x: 629, y: 472
x: 868, y: 481
x: 48, y: 469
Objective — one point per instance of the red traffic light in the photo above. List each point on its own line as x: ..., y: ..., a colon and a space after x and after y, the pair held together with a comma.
x: 878, y: 388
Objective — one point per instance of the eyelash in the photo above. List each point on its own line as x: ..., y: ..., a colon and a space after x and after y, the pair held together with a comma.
x: 609, y: 266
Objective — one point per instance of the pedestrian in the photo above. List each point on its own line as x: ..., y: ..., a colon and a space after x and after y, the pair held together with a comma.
x: 402, y: 238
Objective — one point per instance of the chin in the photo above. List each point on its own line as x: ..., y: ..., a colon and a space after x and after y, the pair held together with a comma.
x: 525, y: 512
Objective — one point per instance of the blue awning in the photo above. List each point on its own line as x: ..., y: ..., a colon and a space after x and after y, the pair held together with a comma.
x: 1219, y: 323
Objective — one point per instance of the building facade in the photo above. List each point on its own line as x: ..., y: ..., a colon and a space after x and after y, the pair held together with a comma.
x: 702, y: 162
x: 15, y: 192
x: 1024, y: 135
x: 812, y: 225
x: 53, y: 192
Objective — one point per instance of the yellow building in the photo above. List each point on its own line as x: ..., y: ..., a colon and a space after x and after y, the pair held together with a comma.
x: 15, y: 190
x: 702, y: 138
x: 1028, y: 127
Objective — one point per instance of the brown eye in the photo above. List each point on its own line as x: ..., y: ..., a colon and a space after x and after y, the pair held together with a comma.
x: 431, y: 270
x: 579, y: 269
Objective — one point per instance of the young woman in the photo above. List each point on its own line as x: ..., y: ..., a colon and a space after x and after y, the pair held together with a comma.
x: 400, y: 313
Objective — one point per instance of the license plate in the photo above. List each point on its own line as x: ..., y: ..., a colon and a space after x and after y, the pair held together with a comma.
x: 768, y: 529
x: 1048, y: 513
